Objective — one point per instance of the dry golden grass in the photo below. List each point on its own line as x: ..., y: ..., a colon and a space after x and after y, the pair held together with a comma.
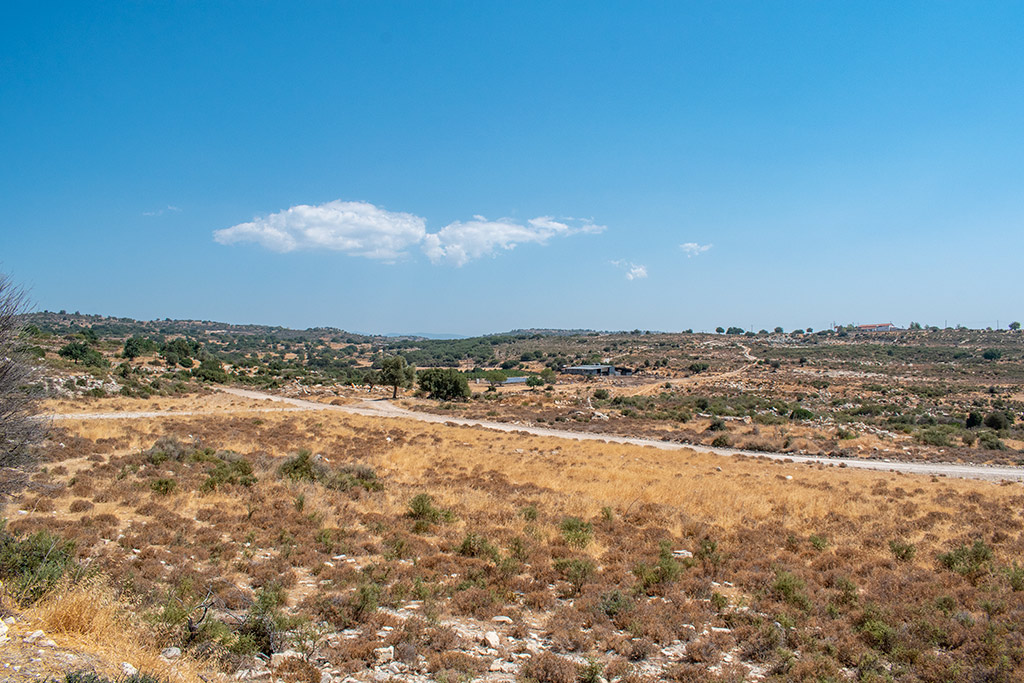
x: 579, y: 477
x: 209, y: 402
x: 604, y: 474
x: 89, y: 619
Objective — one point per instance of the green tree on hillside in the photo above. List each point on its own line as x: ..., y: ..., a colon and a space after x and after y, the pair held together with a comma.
x: 211, y: 370
x: 75, y: 351
x: 136, y: 346
x: 495, y: 377
x: 81, y: 353
x: 395, y: 373
x: 444, y: 384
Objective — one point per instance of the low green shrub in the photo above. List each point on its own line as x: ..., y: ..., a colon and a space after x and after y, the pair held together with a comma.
x: 790, y: 588
x: 32, y: 565
x: 576, y: 532
x: 229, y: 472
x: 903, y: 552
x: 421, y: 508
x: 163, y: 486
x: 576, y: 571
x: 967, y: 560
x: 475, y: 545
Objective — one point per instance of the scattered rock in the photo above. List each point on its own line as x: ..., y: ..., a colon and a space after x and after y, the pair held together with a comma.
x: 128, y: 670
x: 384, y: 654
x: 500, y: 665
x: 492, y: 640
x: 171, y: 652
x: 46, y: 642
x: 326, y: 677
x: 502, y: 620
x: 278, y: 658
x: 33, y: 637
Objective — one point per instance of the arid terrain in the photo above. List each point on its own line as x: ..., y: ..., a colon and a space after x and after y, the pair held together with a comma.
x: 192, y: 534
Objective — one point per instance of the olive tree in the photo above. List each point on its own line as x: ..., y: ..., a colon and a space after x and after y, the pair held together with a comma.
x: 395, y: 373
x: 18, y: 428
x: 445, y: 384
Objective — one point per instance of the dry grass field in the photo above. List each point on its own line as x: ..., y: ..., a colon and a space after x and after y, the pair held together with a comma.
x: 625, y: 562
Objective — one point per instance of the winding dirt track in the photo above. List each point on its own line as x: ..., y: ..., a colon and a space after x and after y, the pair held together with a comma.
x: 385, y: 409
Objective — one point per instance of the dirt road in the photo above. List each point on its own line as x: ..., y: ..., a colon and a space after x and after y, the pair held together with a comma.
x: 385, y: 409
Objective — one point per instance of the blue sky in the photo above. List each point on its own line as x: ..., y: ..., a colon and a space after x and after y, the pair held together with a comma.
x: 477, y: 167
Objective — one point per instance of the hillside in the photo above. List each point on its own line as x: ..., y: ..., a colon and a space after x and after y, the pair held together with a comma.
x: 392, y: 548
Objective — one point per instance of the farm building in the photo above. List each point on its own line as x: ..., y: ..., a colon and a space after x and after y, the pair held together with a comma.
x: 598, y: 371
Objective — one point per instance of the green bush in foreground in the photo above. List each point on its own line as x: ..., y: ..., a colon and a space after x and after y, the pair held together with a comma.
x: 33, y: 565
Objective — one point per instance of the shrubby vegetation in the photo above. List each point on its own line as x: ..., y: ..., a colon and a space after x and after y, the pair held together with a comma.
x: 445, y: 384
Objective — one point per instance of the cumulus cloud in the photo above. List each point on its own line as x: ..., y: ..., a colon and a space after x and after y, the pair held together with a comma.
x: 460, y: 242
x: 634, y: 271
x: 694, y: 249
x: 357, y: 228
x: 362, y: 229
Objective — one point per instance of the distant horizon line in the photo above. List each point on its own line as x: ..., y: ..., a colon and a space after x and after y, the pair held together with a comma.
x: 440, y: 336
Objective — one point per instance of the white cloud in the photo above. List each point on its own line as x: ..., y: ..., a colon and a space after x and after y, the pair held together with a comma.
x: 356, y: 228
x: 459, y: 242
x: 362, y: 229
x: 634, y: 271
x: 694, y: 249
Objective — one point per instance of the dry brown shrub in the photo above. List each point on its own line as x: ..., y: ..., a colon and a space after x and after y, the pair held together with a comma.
x: 271, y: 571
x: 297, y: 670
x: 567, y: 630
x: 640, y: 649
x: 477, y: 602
x: 704, y: 650
x: 356, y: 650
x: 549, y: 668
x: 414, y: 634
x: 758, y: 644
x: 39, y: 504
x: 813, y: 669
x: 686, y: 672
x: 459, y: 662
x: 80, y: 505
x: 617, y: 668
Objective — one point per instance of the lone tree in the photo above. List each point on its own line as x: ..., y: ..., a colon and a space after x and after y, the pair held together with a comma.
x: 444, y: 384
x: 395, y: 373
x: 18, y: 429
x: 495, y: 377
